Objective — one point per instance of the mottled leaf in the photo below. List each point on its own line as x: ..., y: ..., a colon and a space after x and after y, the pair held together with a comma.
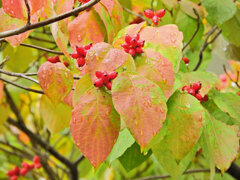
x: 158, y: 69
x: 91, y: 31
x: 56, y: 117
x: 208, y: 80
x: 55, y: 80
x: 188, y: 6
x: 124, y: 141
x: 220, y: 11
x: 102, y: 57
x: 223, y: 142
x: 1, y: 90
x: 141, y: 105
x: 133, y: 157
x: 95, y: 125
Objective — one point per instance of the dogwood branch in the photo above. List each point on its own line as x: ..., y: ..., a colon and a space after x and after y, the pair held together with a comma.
x: 48, y: 21
x: 28, y: 12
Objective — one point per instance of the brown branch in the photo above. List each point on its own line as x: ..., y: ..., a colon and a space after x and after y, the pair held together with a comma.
x: 196, y: 31
x: 235, y: 81
x: 79, y: 160
x: 21, y: 75
x: 40, y: 39
x: 22, y: 87
x: 28, y: 12
x: 167, y: 176
x: 4, y: 61
x: 205, y: 45
x: 48, y: 21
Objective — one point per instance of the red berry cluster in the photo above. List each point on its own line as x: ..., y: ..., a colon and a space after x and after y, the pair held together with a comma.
x: 155, y: 15
x: 16, y: 171
x: 83, y: 1
x: 194, y: 89
x: 105, y: 79
x: 133, y: 45
x: 80, y: 54
x: 185, y: 60
x: 56, y: 59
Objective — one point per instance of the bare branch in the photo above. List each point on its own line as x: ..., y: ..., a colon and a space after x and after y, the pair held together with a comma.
x: 28, y: 12
x: 3, y: 62
x: 48, y: 21
x: 235, y: 81
x: 40, y: 39
x: 196, y: 31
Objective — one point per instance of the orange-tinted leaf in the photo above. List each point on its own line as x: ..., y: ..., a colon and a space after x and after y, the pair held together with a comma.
x: 95, y: 125
x: 8, y: 23
x: 103, y: 57
x: 23, y: 137
x: 56, y: 117
x: 17, y: 8
x: 55, y: 80
x: 141, y: 105
x: 69, y: 99
x: 86, y: 28
x: 63, y: 6
x: 1, y: 90
x: 158, y: 69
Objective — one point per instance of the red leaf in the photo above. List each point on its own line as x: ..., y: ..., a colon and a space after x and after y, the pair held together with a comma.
x: 86, y: 28
x: 1, y: 90
x: 95, y: 125
x: 55, y: 80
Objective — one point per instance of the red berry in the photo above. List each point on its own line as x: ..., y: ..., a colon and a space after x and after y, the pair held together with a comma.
x: 192, y: 92
x: 31, y: 166
x: 23, y: 171
x: 136, y: 36
x: 75, y: 55
x: 155, y: 20
x: 133, y: 42
x: 99, y: 74
x: 81, y: 61
x: 99, y: 83
x: 81, y: 51
x: 205, y: 98
x: 38, y: 165
x: 36, y: 159
x: 238, y: 94
x: 112, y: 75
x: 138, y: 50
x: 25, y: 165
x: 197, y: 86
x: 14, y: 177
x: 149, y: 13
x: 54, y: 59
x: 126, y: 50
x: 186, y: 88
x: 132, y: 52
x: 109, y: 85
x: 199, y: 97
x: 128, y: 39
x: 140, y: 43
x: 16, y: 170
x: 10, y: 173
x: 161, y: 13
x: 125, y: 45
x: 88, y: 46
x: 66, y: 63
x: 186, y: 60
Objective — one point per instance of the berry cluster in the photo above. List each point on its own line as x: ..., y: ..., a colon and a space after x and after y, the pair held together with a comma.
x: 56, y: 59
x: 83, y: 1
x: 16, y: 171
x: 105, y: 79
x: 80, y: 54
x: 133, y: 45
x: 194, y: 89
x: 186, y: 60
x: 155, y: 15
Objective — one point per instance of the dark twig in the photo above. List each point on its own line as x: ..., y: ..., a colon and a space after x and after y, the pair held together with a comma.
x: 48, y: 21
x: 22, y: 87
x: 28, y: 12
x: 4, y: 61
x: 205, y: 45
x: 167, y: 176
x: 40, y: 39
x: 196, y: 31
x: 235, y: 81
x: 79, y: 160
x: 152, y: 5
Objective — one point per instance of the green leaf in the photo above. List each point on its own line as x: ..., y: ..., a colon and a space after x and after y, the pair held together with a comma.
x: 95, y: 125
x: 56, y: 117
x: 231, y: 28
x: 207, y: 79
x: 188, y: 6
x: 55, y: 80
x: 4, y: 111
x: 141, y: 105
x: 124, y: 141
x: 228, y: 102
x: 221, y: 10
x: 223, y: 142
x: 82, y: 86
x: 155, y: 67
x: 133, y: 157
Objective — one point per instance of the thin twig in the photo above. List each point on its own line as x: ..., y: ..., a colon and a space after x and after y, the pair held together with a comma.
x: 235, y: 81
x: 152, y: 5
x: 28, y: 12
x: 40, y: 39
x: 48, y: 21
x: 167, y: 176
x: 18, y: 75
x: 22, y: 87
x: 4, y: 61
x: 196, y: 31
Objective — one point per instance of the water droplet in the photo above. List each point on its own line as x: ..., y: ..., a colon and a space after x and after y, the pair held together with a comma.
x: 79, y: 37
x: 233, y: 84
x: 145, y: 153
x: 78, y: 144
x: 188, y: 105
x: 225, y: 49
